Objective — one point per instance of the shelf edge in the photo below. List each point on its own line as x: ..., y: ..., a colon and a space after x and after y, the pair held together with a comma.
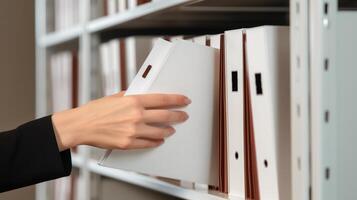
x: 151, y: 183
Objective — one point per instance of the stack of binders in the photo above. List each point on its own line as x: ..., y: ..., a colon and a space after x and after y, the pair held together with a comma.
x: 112, y: 7
x: 65, y: 15
x: 112, y: 57
x: 237, y: 139
x: 64, y: 80
x: 258, y: 112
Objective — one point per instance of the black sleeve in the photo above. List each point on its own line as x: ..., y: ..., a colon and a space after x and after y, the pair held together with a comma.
x: 29, y: 155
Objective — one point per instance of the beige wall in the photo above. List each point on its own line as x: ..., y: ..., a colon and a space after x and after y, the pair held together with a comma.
x: 17, y: 64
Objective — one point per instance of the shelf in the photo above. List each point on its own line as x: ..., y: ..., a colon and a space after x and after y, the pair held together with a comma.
x: 152, y: 183
x: 131, y: 16
x: 56, y: 38
x: 172, y: 17
x: 77, y: 160
x: 160, y: 17
x: 176, y: 17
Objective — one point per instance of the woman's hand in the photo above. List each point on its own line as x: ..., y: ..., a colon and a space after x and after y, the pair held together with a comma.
x: 120, y: 122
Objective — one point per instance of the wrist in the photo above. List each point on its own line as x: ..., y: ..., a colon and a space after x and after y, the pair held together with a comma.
x: 66, y: 128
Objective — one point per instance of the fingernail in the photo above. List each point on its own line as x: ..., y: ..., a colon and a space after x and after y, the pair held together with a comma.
x: 172, y: 131
x: 186, y: 117
x: 187, y: 101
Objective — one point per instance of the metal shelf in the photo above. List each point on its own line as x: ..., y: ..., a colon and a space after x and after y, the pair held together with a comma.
x: 191, y: 17
x: 153, y: 183
x: 135, y: 14
x: 178, y: 17
x: 77, y: 160
x: 160, y: 17
x: 60, y: 37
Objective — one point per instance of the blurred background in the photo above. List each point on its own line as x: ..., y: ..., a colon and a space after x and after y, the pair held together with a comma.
x: 17, y: 72
x: 59, y: 58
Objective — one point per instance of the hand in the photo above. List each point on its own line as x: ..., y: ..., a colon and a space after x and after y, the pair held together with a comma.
x: 120, y: 122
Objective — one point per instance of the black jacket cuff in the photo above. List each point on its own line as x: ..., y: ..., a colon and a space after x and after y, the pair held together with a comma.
x: 33, y: 155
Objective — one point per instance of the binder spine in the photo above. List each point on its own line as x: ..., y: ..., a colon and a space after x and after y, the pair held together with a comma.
x: 234, y: 99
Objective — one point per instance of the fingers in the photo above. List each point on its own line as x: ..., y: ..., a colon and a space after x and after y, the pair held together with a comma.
x: 144, y: 131
x: 164, y: 116
x: 143, y: 143
x: 162, y: 100
x: 120, y: 94
x: 144, y: 120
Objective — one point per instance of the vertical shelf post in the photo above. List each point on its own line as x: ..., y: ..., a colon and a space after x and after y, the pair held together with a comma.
x: 300, y: 115
x: 323, y: 25
x: 41, y: 80
x: 83, y: 191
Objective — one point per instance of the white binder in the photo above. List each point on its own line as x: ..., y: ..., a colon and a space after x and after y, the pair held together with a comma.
x: 122, y: 4
x: 268, y: 66
x: 202, y: 40
x: 110, y: 65
x: 61, y: 75
x: 215, y: 41
x: 114, y: 46
x: 191, y: 153
x: 176, y: 38
x: 235, y: 108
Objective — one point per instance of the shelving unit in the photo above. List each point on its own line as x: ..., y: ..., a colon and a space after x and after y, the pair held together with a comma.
x: 191, y: 17
x: 152, y: 183
x: 61, y: 37
x: 317, y: 86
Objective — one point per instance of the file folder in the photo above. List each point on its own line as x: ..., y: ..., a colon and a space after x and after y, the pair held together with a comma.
x: 191, y: 153
x: 235, y: 108
x: 215, y: 41
x: 200, y: 40
x: 268, y: 68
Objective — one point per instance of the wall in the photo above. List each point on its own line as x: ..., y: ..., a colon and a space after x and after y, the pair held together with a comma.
x: 17, y: 72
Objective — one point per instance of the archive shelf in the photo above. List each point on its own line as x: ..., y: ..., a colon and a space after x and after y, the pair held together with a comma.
x: 60, y: 37
x: 176, y: 17
x: 160, y: 17
x: 77, y: 160
x: 152, y: 183
x: 191, y: 17
x: 133, y: 15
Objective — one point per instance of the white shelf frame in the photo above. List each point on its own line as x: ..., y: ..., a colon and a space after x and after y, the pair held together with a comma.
x: 140, y: 11
x: 52, y: 39
x: 77, y: 160
x: 323, y: 15
x: 152, y: 183
x: 299, y: 105
x: 102, y: 23
x: 312, y: 33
